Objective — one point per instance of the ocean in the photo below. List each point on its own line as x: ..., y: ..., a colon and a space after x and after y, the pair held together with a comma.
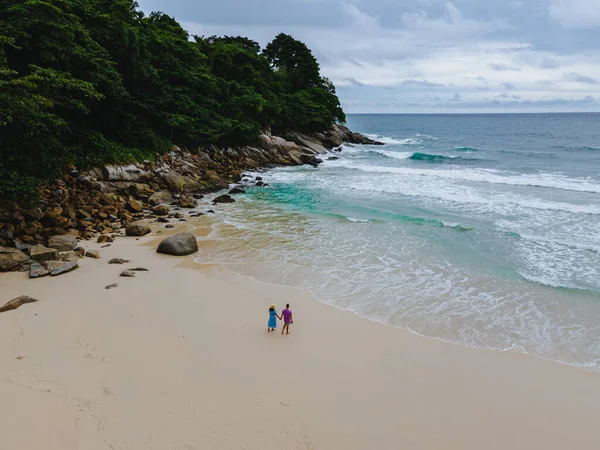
x: 482, y: 230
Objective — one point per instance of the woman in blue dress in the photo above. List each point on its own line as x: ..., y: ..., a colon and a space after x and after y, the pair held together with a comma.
x: 272, y: 319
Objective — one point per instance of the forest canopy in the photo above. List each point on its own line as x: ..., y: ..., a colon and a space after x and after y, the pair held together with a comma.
x: 89, y: 82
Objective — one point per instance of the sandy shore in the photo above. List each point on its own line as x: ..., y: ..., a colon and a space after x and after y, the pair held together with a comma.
x: 179, y: 358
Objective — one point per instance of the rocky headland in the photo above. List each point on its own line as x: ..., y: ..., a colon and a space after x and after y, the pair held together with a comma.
x: 113, y: 201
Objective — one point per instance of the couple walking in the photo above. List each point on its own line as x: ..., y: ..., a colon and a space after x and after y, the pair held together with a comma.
x: 286, y: 314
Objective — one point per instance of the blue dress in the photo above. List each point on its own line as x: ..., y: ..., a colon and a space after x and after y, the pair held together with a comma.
x: 272, y: 319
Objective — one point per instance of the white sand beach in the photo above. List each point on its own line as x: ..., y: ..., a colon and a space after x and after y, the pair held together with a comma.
x: 180, y: 358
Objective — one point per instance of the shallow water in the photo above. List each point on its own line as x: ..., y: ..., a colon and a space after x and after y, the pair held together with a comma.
x: 480, y: 230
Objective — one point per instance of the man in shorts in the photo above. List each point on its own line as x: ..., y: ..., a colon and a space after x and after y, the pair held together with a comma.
x: 287, y: 319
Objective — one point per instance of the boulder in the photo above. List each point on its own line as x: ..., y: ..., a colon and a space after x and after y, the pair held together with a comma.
x: 223, y: 199
x: 169, y: 226
x: 178, y: 245
x: 16, y: 302
x: 37, y: 270
x: 118, y: 261
x: 127, y: 274
x: 11, y: 259
x: 94, y: 254
x: 198, y: 196
x: 236, y: 190
x: 162, y: 220
x: 161, y: 210
x: 139, y: 269
x: 59, y: 267
x: 160, y: 197
x: 259, y: 184
x: 124, y: 173
x: 102, y: 239
x: 187, y: 202
x: 40, y: 253
x: 63, y: 243
x: 137, y: 229
x: 135, y: 206
x: 80, y: 251
x: 69, y: 256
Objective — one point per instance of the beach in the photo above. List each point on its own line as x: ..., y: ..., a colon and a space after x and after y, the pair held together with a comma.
x: 179, y: 358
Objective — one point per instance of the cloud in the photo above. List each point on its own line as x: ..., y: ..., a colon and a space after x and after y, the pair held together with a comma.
x: 455, y: 98
x: 578, y: 78
x: 571, y: 14
x: 353, y: 81
x: 465, y: 47
x: 423, y: 83
x: 499, y: 67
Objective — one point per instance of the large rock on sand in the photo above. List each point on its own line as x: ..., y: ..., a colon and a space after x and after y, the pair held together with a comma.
x: 224, y: 199
x: 137, y: 229
x: 16, y: 302
x: 178, y: 245
x: 63, y: 243
x: 41, y: 253
x: 11, y: 259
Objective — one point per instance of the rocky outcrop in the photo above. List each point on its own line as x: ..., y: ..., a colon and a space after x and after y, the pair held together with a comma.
x: 111, y: 201
x: 178, y: 245
x: 16, y: 302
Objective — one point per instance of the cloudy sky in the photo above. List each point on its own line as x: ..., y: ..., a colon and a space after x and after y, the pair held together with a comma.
x: 428, y: 55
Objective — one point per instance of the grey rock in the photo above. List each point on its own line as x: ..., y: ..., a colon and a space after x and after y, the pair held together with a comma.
x: 236, y: 191
x: 37, y: 270
x: 178, y: 245
x: 223, y: 199
x: 11, y: 259
x: 64, y: 243
x: 127, y: 274
x: 70, y: 256
x: 137, y: 229
x: 111, y: 286
x: 94, y: 254
x: 60, y: 267
x: 161, y: 210
x: 170, y: 226
x: 139, y: 269
x: 118, y: 261
x: 40, y: 253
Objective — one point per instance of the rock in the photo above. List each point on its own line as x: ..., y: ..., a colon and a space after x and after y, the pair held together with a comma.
x: 223, y: 199
x: 178, y: 216
x: 137, y: 229
x: 105, y: 246
x: 183, y: 220
x: 11, y: 259
x: 40, y: 253
x: 127, y: 274
x: 139, y: 269
x: 135, y: 206
x: 70, y: 256
x: 311, y: 160
x: 169, y: 226
x: 187, y: 202
x: 118, y: 261
x: 210, y: 211
x: 160, y: 197
x: 63, y: 243
x: 92, y: 254
x: 198, y: 196
x: 162, y: 220
x: 111, y: 286
x: 179, y: 245
x: 161, y: 210
x: 16, y: 302
x: 258, y: 178
x: 104, y: 238
x: 80, y: 251
x: 37, y: 270
x: 259, y: 184
x: 124, y: 173
x: 333, y: 158
x: 236, y: 191
x: 60, y: 267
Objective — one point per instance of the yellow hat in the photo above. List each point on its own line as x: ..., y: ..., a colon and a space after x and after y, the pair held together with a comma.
x: 273, y: 306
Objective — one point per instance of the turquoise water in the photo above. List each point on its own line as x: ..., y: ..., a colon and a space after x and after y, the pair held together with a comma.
x: 482, y: 230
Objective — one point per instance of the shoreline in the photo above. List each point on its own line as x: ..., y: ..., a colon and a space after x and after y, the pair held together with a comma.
x: 180, y: 358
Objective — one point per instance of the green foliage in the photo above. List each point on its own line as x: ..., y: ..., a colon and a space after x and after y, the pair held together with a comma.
x: 90, y: 82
